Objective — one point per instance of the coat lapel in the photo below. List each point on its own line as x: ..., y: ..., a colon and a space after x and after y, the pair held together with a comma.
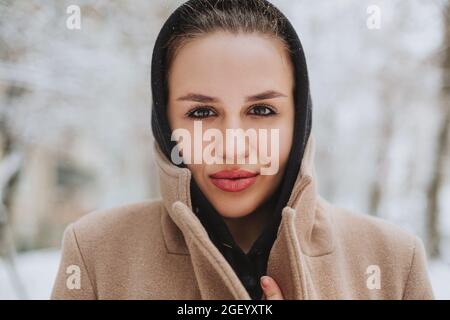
x: 305, y: 231
x: 184, y: 234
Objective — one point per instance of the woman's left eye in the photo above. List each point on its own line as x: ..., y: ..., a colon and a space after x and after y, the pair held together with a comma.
x: 261, y: 110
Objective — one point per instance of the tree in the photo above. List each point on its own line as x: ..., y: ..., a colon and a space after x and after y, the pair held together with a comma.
x: 442, y: 148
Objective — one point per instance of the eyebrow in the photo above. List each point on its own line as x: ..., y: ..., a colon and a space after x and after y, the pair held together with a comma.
x: 269, y: 94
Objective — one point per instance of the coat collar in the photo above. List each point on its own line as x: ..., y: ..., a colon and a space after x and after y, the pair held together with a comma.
x: 305, y: 231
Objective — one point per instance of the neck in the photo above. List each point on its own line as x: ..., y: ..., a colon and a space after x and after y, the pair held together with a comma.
x: 245, y: 230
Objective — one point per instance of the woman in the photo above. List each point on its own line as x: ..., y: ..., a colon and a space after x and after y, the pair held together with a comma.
x: 224, y: 229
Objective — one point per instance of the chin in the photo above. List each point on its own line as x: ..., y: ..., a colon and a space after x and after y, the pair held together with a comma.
x: 237, y: 209
x: 232, y: 213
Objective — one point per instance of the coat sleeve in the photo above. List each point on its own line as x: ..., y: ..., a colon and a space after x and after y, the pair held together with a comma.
x: 72, y: 280
x: 418, y: 286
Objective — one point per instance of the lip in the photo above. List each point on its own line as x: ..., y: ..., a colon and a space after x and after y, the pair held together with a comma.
x: 233, y: 180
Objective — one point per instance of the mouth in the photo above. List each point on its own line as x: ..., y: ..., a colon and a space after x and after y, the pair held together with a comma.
x: 233, y: 180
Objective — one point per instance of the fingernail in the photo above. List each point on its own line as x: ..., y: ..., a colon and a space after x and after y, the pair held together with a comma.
x: 265, y: 281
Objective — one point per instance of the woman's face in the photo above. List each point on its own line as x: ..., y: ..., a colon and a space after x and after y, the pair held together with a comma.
x: 224, y: 81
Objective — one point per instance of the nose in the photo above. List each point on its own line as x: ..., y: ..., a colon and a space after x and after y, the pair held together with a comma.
x: 235, y: 149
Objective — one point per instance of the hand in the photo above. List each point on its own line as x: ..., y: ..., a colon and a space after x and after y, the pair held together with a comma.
x: 271, y: 289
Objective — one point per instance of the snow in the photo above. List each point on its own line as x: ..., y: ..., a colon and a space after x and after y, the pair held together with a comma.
x: 440, y: 278
x: 37, y: 270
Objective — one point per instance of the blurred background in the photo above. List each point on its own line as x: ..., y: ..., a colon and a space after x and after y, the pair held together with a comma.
x: 75, y: 118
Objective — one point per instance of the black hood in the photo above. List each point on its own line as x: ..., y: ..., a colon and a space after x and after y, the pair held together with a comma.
x: 208, y: 216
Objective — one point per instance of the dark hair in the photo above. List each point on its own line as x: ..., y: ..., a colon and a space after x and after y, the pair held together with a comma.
x: 201, y: 17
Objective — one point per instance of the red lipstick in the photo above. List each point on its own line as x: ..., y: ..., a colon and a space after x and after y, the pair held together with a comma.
x: 233, y: 180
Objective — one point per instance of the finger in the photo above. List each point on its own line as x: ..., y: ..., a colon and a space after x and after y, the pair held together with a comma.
x: 271, y: 289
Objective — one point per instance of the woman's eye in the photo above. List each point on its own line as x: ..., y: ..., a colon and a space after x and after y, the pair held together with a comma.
x: 261, y: 110
x: 200, y: 113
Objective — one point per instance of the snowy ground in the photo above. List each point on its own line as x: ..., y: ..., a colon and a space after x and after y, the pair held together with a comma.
x: 440, y: 279
x: 38, y: 269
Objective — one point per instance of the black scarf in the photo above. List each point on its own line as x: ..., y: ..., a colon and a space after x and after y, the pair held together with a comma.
x: 249, y: 267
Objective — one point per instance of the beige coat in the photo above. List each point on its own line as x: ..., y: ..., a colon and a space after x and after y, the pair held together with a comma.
x: 160, y: 250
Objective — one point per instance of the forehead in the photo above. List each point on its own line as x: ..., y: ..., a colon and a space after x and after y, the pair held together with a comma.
x: 223, y: 62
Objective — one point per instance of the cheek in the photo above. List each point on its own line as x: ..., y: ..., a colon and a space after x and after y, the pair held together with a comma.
x: 197, y: 170
x: 285, y: 129
x: 198, y: 173
x: 286, y: 136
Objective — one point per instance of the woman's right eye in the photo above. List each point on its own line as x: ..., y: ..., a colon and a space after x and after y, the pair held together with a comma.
x: 201, y: 113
